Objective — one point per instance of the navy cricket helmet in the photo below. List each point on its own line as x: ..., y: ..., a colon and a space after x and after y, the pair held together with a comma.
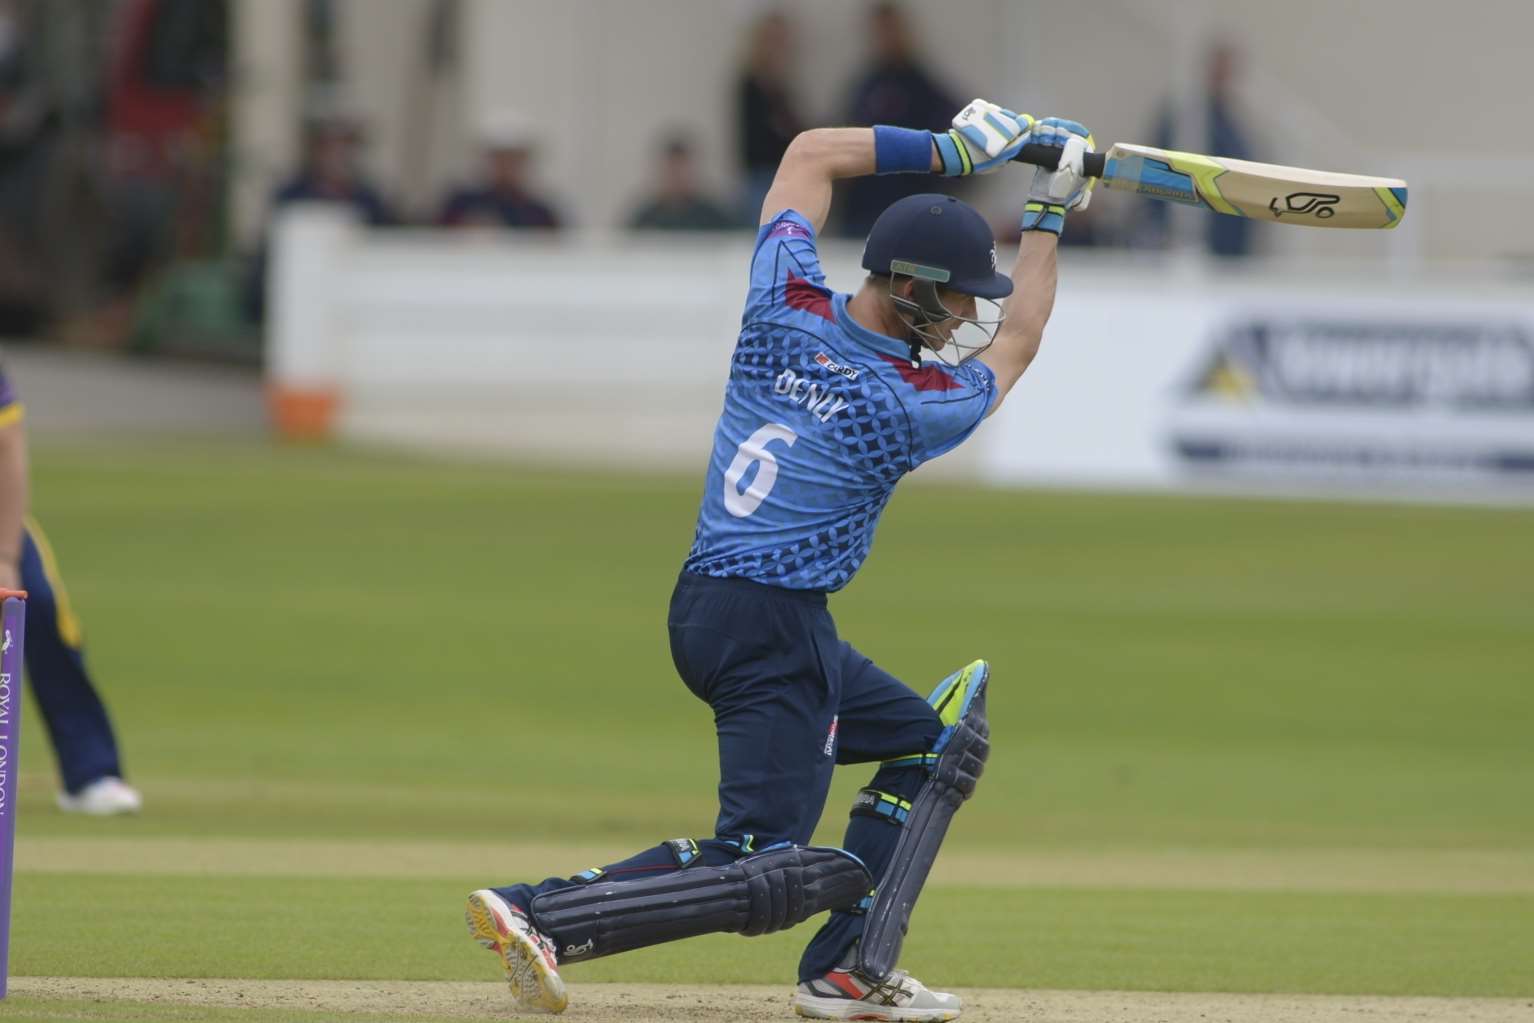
x: 936, y: 241
x: 936, y: 237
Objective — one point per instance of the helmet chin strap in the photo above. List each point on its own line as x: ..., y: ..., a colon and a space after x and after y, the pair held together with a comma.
x: 919, y: 313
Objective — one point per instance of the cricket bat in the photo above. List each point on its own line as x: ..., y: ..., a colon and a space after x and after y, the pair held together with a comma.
x: 1240, y: 188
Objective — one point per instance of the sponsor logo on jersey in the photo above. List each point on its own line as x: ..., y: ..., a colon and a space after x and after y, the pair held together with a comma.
x: 821, y: 358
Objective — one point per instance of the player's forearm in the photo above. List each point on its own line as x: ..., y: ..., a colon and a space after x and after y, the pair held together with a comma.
x: 1034, y: 276
x: 13, y: 492
x: 817, y: 158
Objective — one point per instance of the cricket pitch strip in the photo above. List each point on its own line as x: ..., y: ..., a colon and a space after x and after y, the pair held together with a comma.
x: 694, y: 1003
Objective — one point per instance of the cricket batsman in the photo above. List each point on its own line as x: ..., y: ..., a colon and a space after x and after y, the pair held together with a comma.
x: 831, y: 399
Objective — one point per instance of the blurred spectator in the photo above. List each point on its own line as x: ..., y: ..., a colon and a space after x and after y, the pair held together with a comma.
x: 503, y: 198
x: 331, y: 170
x: 28, y: 132
x: 1223, y: 136
x: 767, y: 119
x: 895, y: 89
x: 678, y: 204
x: 164, y: 118
x: 82, y: 224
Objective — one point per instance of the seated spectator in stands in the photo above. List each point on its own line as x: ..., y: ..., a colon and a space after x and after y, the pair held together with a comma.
x: 503, y: 197
x: 767, y: 116
x: 331, y: 170
x: 29, y: 157
x: 678, y: 204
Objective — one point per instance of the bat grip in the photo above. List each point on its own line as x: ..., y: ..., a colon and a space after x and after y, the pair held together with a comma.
x: 1048, y: 157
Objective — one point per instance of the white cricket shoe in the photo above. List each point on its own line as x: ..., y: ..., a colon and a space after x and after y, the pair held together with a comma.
x: 847, y: 994
x: 103, y: 797
x: 532, y: 970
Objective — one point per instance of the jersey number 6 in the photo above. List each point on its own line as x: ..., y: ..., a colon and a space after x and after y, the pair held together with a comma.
x: 741, y: 503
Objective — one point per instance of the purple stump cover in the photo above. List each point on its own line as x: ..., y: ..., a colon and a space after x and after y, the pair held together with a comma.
x: 14, y: 621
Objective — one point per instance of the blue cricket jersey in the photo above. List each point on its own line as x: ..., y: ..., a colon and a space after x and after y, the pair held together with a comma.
x: 821, y: 419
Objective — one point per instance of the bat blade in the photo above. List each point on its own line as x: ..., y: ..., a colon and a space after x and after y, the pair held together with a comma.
x: 1261, y: 191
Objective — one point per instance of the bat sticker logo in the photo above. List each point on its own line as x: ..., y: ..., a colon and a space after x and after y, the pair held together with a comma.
x: 7, y: 646
x: 1319, y: 204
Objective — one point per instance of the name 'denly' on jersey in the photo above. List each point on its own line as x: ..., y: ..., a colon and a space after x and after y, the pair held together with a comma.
x: 818, y: 399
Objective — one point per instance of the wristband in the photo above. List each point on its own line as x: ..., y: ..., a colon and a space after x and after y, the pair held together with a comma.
x: 902, y: 150
x: 1042, y: 216
x: 953, y: 154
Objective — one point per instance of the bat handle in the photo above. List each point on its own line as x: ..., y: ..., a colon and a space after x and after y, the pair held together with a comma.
x: 1041, y: 155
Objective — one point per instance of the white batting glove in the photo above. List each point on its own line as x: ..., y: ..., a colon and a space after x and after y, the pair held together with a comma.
x: 1054, y: 192
x: 984, y: 137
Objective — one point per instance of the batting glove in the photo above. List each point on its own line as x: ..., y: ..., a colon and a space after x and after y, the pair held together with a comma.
x: 984, y: 137
x: 1054, y: 192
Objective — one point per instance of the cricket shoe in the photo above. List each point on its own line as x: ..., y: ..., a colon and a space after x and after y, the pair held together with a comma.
x: 103, y: 797
x: 532, y: 970
x: 846, y: 994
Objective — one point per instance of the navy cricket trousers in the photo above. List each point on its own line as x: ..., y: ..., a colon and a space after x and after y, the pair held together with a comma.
x: 791, y: 700
x: 76, y: 721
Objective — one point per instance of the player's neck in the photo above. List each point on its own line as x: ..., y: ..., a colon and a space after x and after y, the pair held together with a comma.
x: 875, y: 312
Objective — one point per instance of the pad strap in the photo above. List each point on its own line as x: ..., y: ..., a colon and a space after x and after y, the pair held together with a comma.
x: 924, y: 760
x: 884, y: 805
x: 685, y: 850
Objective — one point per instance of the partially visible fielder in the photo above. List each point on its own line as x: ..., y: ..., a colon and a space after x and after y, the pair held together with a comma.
x: 90, y: 766
x: 832, y: 398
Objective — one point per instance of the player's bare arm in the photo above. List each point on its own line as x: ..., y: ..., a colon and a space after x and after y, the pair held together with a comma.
x: 1033, y: 299
x: 13, y: 495
x: 1054, y: 192
x: 814, y: 160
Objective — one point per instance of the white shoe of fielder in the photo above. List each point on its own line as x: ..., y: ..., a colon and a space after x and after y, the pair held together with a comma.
x: 847, y: 994
x: 532, y: 971
x: 103, y: 798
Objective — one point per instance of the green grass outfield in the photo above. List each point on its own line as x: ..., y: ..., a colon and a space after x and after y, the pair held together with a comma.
x: 1239, y: 745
